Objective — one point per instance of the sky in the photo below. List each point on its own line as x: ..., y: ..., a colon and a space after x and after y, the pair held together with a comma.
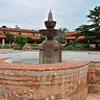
x: 31, y: 14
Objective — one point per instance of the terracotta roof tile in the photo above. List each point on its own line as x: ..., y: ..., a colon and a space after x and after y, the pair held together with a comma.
x: 71, y: 33
x: 81, y: 37
x: 2, y: 36
x: 72, y: 37
x: 34, y: 37
x: 18, y: 30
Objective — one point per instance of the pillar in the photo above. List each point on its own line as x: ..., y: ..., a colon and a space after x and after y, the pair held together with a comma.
x: 3, y: 41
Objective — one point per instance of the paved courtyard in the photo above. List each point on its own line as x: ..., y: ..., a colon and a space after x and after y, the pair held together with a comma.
x: 93, y: 97
x: 8, y: 50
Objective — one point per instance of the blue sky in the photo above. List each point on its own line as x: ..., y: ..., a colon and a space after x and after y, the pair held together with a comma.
x: 31, y: 14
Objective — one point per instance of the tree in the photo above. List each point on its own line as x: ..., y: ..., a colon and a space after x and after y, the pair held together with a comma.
x: 61, y: 38
x: 4, y: 26
x: 17, y: 27
x: 42, y: 38
x: 30, y: 40
x: 62, y: 30
x: 94, y: 16
x: 21, y: 40
x: 37, y: 41
x: 92, y: 31
x: 9, y: 37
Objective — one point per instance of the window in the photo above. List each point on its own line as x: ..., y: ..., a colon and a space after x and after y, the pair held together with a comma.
x: 33, y: 34
x: 4, y: 32
x: 19, y: 33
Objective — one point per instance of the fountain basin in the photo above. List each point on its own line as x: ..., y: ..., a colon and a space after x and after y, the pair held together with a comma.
x: 50, y: 33
x: 42, y: 81
x: 66, y: 55
x: 60, y: 81
x: 50, y: 24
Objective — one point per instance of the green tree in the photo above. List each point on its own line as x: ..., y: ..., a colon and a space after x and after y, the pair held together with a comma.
x: 37, y: 41
x: 92, y: 31
x: 9, y: 37
x: 30, y: 40
x: 62, y: 30
x: 42, y: 38
x: 21, y: 40
x: 61, y: 38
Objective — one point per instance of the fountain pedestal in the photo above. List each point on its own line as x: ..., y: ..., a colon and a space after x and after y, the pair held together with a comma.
x: 50, y: 49
x: 50, y: 52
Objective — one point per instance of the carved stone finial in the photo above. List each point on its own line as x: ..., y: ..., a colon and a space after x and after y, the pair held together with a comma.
x: 50, y: 17
x: 50, y: 24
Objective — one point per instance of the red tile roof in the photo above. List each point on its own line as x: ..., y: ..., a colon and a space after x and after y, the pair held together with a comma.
x: 2, y: 36
x: 34, y: 37
x: 72, y: 37
x: 81, y: 37
x: 18, y: 30
x: 71, y: 33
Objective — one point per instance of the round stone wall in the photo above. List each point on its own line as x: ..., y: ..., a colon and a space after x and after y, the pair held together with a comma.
x: 61, y: 81
x: 94, y: 77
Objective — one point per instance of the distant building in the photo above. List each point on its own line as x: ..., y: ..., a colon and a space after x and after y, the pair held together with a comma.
x: 70, y: 37
x: 26, y: 33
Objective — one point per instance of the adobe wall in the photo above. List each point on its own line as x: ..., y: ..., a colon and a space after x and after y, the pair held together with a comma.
x: 94, y: 77
x: 62, y: 81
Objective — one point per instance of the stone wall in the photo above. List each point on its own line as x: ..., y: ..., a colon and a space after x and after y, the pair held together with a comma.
x: 27, y: 47
x: 62, y: 81
x: 94, y: 77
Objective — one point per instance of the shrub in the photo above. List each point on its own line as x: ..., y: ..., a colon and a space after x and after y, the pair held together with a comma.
x: 69, y: 47
x: 0, y: 46
x: 61, y: 38
x: 21, y: 40
x: 17, y: 47
x: 35, y: 46
x: 6, y: 46
x: 9, y: 37
x: 30, y: 40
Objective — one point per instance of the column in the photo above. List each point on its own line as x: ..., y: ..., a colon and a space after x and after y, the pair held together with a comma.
x: 13, y: 43
x: 66, y: 41
x: 3, y: 41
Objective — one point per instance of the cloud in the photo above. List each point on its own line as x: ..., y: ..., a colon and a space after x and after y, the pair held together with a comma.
x: 32, y: 13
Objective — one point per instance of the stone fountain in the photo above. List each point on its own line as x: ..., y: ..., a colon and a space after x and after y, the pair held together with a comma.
x: 50, y: 49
